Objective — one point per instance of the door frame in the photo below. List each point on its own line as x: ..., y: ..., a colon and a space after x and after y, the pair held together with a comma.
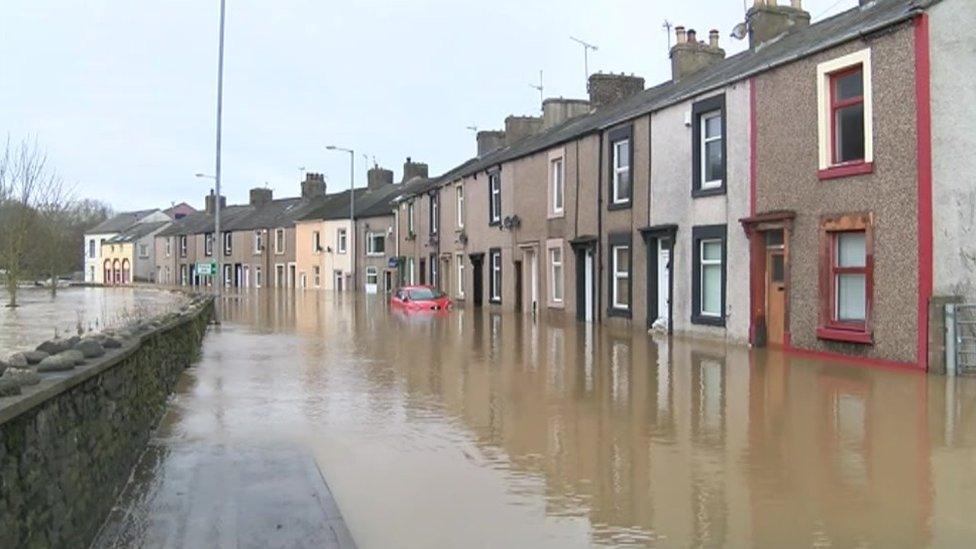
x: 581, y: 246
x: 756, y: 228
x: 652, y: 235
x: 477, y: 279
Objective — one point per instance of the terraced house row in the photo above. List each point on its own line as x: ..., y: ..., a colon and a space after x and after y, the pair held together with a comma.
x: 813, y: 192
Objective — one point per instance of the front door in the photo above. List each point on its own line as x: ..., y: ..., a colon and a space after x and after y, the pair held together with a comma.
x: 775, y: 296
x: 584, y: 284
x: 663, y: 280
x: 518, y: 286
x: 477, y: 281
x: 423, y: 272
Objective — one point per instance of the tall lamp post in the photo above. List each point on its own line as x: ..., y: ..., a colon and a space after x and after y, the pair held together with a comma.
x: 216, y: 177
x: 352, y: 208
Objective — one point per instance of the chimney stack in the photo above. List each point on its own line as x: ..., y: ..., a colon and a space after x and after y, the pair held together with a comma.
x: 378, y: 177
x: 210, y: 205
x: 413, y: 169
x: 520, y: 127
x: 689, y: 56
x: 313, y: 186
x: 768, y: 21
x: 490, y: 140
x: 608, y: 88
x: 557, y: 110
x: 260, y: 196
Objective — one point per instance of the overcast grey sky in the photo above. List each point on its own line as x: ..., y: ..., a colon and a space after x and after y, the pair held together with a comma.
x: 122, y: 93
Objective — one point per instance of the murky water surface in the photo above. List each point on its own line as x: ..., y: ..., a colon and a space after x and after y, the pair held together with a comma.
x: 485, y: 430
x: 40, y: 317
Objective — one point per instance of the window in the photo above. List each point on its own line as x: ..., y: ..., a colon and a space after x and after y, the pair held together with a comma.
x: 411, y: 272
x: 257, y: 277
x: 460, y: 206
x: 91, y: 248
x: 316, y: 242
x: 621, y: 151
x: 845, y: 115
x: 169, y: 246
x: 847, y: 279
x: 708, y: 147
x: 279, y: 241
x: 556, y: 274
x: 372, y: 277
x: 375, y: 244
x: 620, y: 266
x: 494, y: 198
x: 434, y: 281
x: 495, y: 281
x: 258, y: 241
x: 410, y: 228
x: 183, y: 277
x: 341, y: 240
x: 143, y: 251
x: 208, y: 244
x: 556, y: 184
x: 433, y: 214
x: 228, y: 243
x: 316, y: 276
x: 708, y: 275
x: 459, y: 260
x: 182, y: 245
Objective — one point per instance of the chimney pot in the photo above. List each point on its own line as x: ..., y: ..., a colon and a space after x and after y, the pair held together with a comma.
x: 713, y: 38
x: 767, y: 20
x: 692, y: 36
x: 679, y: 32
x: 606, y: 89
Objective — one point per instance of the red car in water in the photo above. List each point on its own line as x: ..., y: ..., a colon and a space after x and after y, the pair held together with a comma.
x: 420, y: 298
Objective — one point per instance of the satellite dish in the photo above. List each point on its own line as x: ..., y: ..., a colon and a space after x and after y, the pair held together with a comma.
x: 740, y: 31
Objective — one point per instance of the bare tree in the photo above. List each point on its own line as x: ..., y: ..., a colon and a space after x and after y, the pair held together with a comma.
x: 27, y: 190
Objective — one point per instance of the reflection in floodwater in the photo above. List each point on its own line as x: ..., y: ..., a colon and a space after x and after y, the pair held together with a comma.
x: 488, y: 429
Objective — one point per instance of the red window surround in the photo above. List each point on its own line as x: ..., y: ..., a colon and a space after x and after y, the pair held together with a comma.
x: 830, y: 327
x: 851, y: 167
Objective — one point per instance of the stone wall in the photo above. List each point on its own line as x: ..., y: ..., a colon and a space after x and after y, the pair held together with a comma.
x: 68, y: 443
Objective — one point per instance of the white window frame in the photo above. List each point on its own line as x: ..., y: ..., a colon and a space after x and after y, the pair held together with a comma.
x: 182, y: 245
x: 619, y: 170
x: 410, y: 225
x: 459, y: 259
x: 279, y: 241
x: 372, y: 272
x: 557, y: 185
x: 825, y: 125
x: 316, y: 242
x: 618, y: 274
x: 208, y: 244
x: 556, y: 280
x: 168, y: 241
x: 703, y: 144
x: 459, y: 191
x: 143, y: 251
x: 370, y: 240
x: 316, y: 276
x: 258, y: 238
x: 495, y: 287
x: 411, y: 272
x: 228, y: 243
x: 495, y: 189
x: 257, y: 277
x: 434, y: 213
x: 91, y: 248
x: 702, y: 263
x: 342, y: 241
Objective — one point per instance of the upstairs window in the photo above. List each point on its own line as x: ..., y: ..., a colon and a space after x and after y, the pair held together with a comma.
x: 556, y: 186
x: 228, y: 243
x: 182, y: 245
x: 460, y: 206
x: 258, y: 241
x: 279, y: 241
x: 143, y: 251
x: 846, y: 278
x: 207, y: 244
x: 434, y: 214
x: 169, y: 246
x: 621, y: 153
x: 410, y: 229
x: 316, y: 242
x: 341, y: 240
x: 375, y: 244
x: 708, y: 147
x: 494, y: 198
x: 91, y: 248
x: 845, y: 123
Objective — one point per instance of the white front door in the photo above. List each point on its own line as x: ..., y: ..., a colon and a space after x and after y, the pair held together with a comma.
x: 663, y: 279
x: 588, y: 286
x: 534, y: 282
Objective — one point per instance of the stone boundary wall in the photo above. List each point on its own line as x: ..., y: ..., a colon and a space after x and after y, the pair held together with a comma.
x: 69, y: 442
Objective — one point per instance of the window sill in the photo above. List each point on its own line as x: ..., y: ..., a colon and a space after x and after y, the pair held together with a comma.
x: 618, y: 312
x: 619, y: 205
x: 846, y: 170
x: 848, y: 336
x: 495, y: 301
x: 495, y: 223
x: 556, y: 305
x: 708, y: 320
x: 715, y: 191
x: 556, y: 215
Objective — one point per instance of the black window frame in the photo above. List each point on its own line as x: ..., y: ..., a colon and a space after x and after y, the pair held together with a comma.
x: 494, y: 175
x: 614, y: 240
x: 491, y: 276
x: 706, y: 106
x: 699, y: 233
x: 613, y: 137
x: 433, y: 224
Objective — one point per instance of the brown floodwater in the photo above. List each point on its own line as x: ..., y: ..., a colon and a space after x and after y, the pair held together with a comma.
x: 494, y: 430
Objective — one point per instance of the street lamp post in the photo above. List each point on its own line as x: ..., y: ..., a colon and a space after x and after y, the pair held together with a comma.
x: 352, y: 208
x: 220, y: 106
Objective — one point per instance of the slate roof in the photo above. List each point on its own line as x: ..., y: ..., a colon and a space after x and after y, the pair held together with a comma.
x: 137, y: 231
x: 335, y: 206
x: 120, y: 222
x: 819, y: 36
x: 202, y: 222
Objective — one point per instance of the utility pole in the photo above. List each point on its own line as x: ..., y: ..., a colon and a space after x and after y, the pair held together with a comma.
x: 220, y: 106
x: 586, y: 64
x: 667, y: 27
x: 539, y: 87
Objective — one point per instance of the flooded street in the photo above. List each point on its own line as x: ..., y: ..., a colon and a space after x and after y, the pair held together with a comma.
x: 40, y: 316
x: 488, y: 430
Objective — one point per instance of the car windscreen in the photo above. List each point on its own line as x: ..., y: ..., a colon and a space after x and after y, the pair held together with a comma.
x: 424, y: 294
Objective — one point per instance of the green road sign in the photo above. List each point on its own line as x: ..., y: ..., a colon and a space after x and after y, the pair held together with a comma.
x: 206, y: 268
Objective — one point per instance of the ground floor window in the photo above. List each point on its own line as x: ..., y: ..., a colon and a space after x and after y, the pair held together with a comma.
x: 556, y: 274
x: 258, y: 281
x: 846, y: 278
x: 372, y: 277
x: 316, y: 276
x: 620, y: 274
x: 459, y: 259
x: 495, y: 280
x: 433, y: 271
x: 411, y: 280
x: 708, y: 277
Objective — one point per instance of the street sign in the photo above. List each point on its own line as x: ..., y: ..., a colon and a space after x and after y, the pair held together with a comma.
x: 206, y: 268
x: 392, y: 263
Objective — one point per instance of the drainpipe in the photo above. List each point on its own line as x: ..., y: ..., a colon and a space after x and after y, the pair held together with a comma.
x: 597, y: 299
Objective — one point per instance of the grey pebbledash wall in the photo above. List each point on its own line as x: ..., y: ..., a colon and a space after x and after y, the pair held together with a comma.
x: 67, y: 445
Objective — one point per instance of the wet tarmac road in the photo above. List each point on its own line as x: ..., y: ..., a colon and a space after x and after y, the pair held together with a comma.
x: 485, y: 430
